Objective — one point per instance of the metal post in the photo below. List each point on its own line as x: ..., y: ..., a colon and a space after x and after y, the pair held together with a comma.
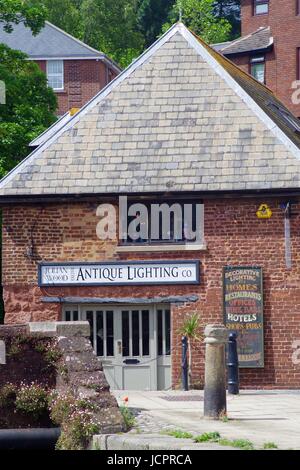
x: 184, y: 363
x: 215, y: 371
x: 233, y: 366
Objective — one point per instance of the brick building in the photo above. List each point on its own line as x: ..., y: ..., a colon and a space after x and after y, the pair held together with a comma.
x: 269, y: 46
x: 75, y: 71
x: 181, y: 125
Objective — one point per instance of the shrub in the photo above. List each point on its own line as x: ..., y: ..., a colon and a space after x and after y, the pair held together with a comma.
x: 76, y: 418
x: 77, y: 430
x: 50, y: 352
x: 8, y: 395
x: 32, y: 399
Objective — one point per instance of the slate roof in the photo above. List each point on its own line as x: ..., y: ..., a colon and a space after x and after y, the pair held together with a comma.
x: 52, y: 130
x: 260, y: 40
x: 51, y: 42
x: 182, y: 117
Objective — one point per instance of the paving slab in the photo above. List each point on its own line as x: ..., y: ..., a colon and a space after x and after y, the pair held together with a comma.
x: 259, y: 416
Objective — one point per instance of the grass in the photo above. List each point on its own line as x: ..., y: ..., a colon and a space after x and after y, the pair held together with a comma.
x: 270, y: 445
x: 128, y: 417
x: 208, y: 437
x: 179, y: 434
x: 243, y: 444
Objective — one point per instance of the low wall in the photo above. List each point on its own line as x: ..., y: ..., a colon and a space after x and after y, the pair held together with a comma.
x: 58, y: 355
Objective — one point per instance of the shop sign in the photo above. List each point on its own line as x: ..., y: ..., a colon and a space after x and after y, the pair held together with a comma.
x: 243, y: 312
x: 120, y: 273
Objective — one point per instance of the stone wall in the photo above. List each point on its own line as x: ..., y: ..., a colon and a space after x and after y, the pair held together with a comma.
x: 77, y: 370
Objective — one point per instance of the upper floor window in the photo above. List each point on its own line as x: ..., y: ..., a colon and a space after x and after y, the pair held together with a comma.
x: 261, y: 7
x: 151, y: 222
x: 258, y: 68
x: 55, y: 74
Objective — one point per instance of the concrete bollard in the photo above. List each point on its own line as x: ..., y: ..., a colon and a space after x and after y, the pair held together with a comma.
x: 215, y: 371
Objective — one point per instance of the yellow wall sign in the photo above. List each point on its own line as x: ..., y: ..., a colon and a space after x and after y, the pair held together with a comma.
x: 264, y: 212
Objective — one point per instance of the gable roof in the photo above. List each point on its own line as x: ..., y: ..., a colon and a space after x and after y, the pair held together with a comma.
x: 182, y: 117
x: 260, y: 40
x: 53, y: 129
x: 50, y: 43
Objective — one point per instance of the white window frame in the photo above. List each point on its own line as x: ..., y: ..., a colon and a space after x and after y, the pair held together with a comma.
x: 258, y: 3
x: 60, y: 75
x: 258, y: 60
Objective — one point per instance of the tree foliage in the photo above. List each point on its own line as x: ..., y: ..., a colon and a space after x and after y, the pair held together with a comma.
x: 150, y: 17
x: 123, y: 28
x: 13, y: 12
x: 199, y: 16
x: 30, y: 104
x: 29, y: 108
x: 111, y: 27
x: 231, y: 10
x: 66, y: 14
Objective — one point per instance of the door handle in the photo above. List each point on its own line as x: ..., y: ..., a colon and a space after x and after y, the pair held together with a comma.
x: 119, y: 345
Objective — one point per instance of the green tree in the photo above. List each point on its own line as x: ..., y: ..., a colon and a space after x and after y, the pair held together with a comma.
x: 29, y: 108
x: 150, y: 17
x: 110, y: 26
x: 199, y: 16
x: 30, y: 104
x: 13, y: 12
x: 231, y: 11
x: 71, y: 19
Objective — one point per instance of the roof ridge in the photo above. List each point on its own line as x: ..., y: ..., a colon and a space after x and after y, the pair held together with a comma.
x: 214, y: 51
x: 243, y: 38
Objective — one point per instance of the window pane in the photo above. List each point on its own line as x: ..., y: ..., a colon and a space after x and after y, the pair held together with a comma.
x: 261, y: 8
x: 125, y: 333
x: 100, y: 333
x: 110, y: 333
x: 68, y: 315
x: 55, y: 74
x: 55, y: 82
x: 55, y: 66
x: 75, y: 315
x: 89, y: 317
x: 258, y: 72
x: 168, y: 332
x: 145, y: 332
x: 135, y: 333
x: 159, y: 333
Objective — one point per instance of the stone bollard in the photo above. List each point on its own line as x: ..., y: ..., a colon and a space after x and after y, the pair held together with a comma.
x: 215, y: 371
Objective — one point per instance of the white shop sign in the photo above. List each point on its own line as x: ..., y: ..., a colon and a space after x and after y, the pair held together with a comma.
x: 123, y: 273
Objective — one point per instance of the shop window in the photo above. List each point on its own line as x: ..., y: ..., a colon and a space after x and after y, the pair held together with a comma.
x: 261, y: 7
x: 163, y: 222
x: 55, y: 74
x: 258, y: 68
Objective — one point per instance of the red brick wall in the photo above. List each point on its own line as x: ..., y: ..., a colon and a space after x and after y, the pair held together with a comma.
x: 234, y: 236
x: 83, y: 79
x: 282, y: 68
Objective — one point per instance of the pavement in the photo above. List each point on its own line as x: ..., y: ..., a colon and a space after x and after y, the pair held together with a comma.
x: 258, y: 416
